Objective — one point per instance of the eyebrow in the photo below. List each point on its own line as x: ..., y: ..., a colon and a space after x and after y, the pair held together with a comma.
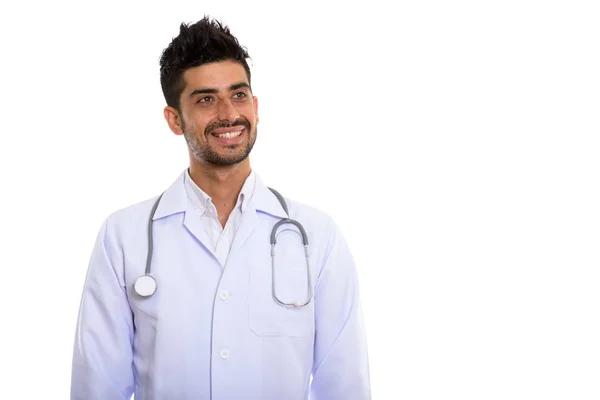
x: 212, y: 90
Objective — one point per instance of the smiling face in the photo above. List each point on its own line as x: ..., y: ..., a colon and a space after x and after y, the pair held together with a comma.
x: 218, y: 114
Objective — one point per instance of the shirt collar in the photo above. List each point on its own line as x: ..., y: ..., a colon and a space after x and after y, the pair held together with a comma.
x: 199, y: 199
x: 203, y: 202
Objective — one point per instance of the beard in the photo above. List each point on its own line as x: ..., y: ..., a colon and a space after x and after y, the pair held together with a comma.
x: 234, y: 154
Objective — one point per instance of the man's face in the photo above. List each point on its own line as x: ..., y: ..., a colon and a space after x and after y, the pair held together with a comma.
x: 218, y: 113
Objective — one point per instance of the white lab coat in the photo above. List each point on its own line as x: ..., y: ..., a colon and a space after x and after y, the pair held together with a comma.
x: 216, y: 333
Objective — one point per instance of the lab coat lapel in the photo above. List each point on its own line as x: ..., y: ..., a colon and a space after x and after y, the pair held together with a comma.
x: 175, y: 200
x: 194, y: 225
x: 247, y: 225
x: 263, y: 200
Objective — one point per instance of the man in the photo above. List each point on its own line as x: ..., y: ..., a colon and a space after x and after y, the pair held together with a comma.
x: 194, y: 305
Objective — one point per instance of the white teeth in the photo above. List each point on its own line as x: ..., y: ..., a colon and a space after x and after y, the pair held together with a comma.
x: 228, y: 135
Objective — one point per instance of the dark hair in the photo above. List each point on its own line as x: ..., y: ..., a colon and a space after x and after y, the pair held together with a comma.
x: 201, y: 43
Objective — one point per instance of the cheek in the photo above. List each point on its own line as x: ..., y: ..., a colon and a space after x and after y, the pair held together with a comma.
x: 196, y: 126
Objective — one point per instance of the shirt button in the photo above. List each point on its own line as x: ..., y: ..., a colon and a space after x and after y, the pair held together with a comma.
x: 225, y: 354
x: 224, y: 294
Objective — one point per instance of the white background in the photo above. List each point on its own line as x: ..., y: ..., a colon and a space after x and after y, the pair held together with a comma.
x: 455, y: 143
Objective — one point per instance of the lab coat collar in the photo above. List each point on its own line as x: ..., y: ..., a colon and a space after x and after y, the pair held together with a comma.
x: 175, y: 200
x: 264, y: 200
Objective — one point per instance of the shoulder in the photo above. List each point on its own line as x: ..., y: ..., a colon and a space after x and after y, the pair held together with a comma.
x: 130, y: 219
x: 308, y: 214
x: 327, y: 244
x: 319, y: 225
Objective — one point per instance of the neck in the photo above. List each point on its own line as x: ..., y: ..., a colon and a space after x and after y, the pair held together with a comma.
x: 222, y: 183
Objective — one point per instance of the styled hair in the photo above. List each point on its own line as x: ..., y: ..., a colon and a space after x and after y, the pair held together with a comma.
x: 197, y: 44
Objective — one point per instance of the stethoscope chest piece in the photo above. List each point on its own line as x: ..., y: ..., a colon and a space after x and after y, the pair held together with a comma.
x: 145, y: 286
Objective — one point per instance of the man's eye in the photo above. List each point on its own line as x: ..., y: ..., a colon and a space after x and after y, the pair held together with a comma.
x: 239, y: 95
x: 204, y: 99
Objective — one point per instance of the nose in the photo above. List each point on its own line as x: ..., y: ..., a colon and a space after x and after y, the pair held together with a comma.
x: 226, y: 111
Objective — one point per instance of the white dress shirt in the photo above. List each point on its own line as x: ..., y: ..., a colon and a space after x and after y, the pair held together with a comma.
x: 221, y: 238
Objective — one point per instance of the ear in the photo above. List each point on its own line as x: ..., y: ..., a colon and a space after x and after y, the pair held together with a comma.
x: 173, y: 119
x: 255, y: 103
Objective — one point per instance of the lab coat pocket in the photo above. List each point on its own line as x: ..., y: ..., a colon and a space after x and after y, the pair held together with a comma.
x: 266, y: 316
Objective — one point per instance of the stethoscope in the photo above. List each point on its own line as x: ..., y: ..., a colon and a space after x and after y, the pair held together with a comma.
x: 145, y: 285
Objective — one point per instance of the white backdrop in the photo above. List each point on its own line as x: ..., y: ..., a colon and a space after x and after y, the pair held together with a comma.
x: 455, y: 143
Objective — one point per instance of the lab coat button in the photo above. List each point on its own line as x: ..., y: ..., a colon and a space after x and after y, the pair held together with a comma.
x: 224, y: 294
x: 225, y: 354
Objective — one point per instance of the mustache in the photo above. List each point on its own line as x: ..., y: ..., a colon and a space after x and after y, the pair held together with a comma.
x: 222, y: 124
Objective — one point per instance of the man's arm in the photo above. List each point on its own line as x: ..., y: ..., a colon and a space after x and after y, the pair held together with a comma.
x: 102, y: 355
x: 341, y: 367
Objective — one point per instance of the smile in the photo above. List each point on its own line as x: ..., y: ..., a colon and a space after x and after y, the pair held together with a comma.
x: 228, y: 135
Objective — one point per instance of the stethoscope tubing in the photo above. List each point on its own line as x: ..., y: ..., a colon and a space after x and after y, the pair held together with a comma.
x: 273, y: 239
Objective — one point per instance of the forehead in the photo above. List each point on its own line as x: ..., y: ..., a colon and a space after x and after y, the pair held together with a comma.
x: 217, y: 75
